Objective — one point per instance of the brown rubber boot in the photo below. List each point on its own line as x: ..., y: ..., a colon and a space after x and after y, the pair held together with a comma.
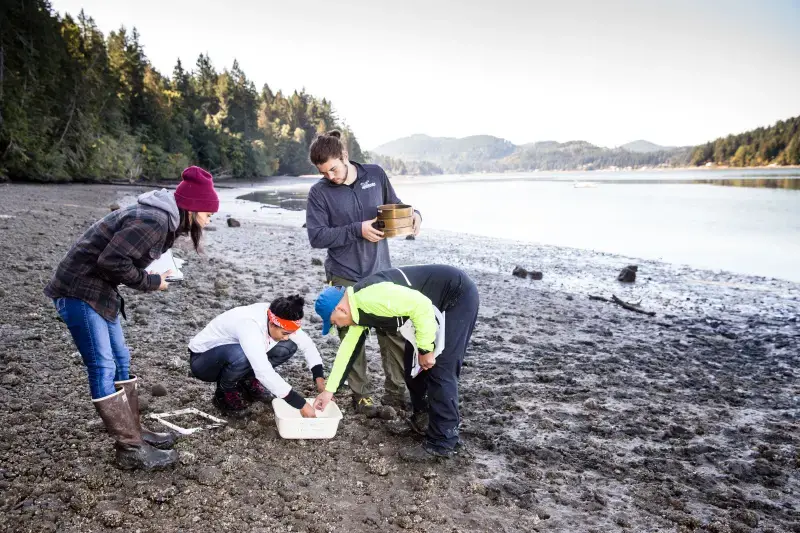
x: 163, y: 441
x: 132, y: 451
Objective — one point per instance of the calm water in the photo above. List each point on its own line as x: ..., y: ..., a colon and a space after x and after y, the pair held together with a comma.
x: 741, y: 221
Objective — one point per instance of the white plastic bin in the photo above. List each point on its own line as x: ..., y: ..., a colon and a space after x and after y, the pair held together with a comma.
x: 292, y: 425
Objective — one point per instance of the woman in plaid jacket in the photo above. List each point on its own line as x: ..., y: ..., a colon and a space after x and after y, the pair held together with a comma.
x: 116, y: 250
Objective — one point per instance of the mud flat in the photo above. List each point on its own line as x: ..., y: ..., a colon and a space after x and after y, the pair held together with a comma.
x: 582, y: 416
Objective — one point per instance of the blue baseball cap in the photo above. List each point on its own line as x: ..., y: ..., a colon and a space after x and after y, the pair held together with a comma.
x: 326, y: 302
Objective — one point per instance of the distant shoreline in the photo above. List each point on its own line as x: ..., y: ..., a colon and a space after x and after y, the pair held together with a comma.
x: 563, y: 171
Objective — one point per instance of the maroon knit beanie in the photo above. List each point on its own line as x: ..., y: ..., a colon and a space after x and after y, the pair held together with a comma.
x: 196, y: 191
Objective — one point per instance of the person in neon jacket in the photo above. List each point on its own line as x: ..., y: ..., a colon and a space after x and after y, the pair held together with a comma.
x: 435, y: 308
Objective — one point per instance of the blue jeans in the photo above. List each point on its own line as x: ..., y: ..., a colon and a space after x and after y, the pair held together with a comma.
x: 100, y: 343
x: 227, y: 364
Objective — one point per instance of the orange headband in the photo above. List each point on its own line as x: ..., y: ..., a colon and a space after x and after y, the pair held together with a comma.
x: 289, y: 325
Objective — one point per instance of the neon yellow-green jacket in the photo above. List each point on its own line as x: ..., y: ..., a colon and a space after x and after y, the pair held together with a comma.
x: 375, y: 303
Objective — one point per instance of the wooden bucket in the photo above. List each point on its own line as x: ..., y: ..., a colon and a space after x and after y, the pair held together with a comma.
x: 395, y: 220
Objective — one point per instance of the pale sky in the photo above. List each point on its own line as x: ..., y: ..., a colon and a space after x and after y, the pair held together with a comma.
x: 673, y: 72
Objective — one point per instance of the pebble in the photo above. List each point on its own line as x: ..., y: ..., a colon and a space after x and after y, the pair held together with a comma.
x: 387, y: 412
x: 208, y: 475
x: 111, y: 518
x: 137, y: 506
x: 591, y: 403
x: 158, y: 390
x: 378, y: 466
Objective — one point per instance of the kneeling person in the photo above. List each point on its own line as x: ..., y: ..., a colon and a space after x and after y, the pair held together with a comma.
x: 434, y: 307
x: 240, y: 349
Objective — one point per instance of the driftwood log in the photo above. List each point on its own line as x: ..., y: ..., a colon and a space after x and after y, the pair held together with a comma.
x: 625, y: 305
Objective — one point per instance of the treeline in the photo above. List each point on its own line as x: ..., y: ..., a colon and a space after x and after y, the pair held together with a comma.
x: 398, y: 167
x: 76, y: 105
x: 582, y: 155
x: 775, y: 145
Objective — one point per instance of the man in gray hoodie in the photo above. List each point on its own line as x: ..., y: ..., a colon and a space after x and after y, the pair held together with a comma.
x: 342, y: 207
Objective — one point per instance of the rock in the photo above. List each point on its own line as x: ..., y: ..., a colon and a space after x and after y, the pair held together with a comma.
x: 233, y: 223
x: 210, y: 228
x: 378, y: 466
x: 518, y: 339
x: 677, y: 431
x: 287, y: 495
x: 591, y: 403
x: 161, y: 495
x: 410, y: 238
x: 535, y: 275
x: 404, y: 522
x: 111, y: 518
x: 114, y: 207
x: 316, y: 261
x: 137, y: 506
x: 387, y: 412
x: 158, y: 390
x: 519, y: 272
x: 83, y: 500
x: 208, y: 475
x: 187, y: 458
x: 304, y: 224
x: 746, y: 516
x: 628, y: 274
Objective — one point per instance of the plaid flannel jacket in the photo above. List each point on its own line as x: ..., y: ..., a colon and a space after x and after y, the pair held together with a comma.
x: 114, y: 251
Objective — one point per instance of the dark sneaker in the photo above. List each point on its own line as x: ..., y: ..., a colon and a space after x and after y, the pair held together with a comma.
x: 419, y: 423
x: 425, y: 454
x: 254, y: 390
x: 364, y: 405
x: 230, y: 402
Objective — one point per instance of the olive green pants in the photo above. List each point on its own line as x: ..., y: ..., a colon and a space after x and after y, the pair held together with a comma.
x: 392, y: 346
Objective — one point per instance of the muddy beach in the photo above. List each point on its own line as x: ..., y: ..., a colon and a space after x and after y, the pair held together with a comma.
x: 582, y: 416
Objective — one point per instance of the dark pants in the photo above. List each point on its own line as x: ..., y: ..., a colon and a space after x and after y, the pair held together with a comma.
x: 440, y: 383
x: 227, y: 364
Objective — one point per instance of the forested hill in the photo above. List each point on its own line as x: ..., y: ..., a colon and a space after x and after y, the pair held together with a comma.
x: 774, y: 145
x: 484, y: 153
x: 78, y: 105
x: 778, y: 144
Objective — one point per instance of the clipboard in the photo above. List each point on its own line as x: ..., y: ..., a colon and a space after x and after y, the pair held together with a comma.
x: 167, y: 261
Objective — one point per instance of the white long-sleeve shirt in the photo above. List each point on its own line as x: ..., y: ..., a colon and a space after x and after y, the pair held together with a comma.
x: 247, y: 326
